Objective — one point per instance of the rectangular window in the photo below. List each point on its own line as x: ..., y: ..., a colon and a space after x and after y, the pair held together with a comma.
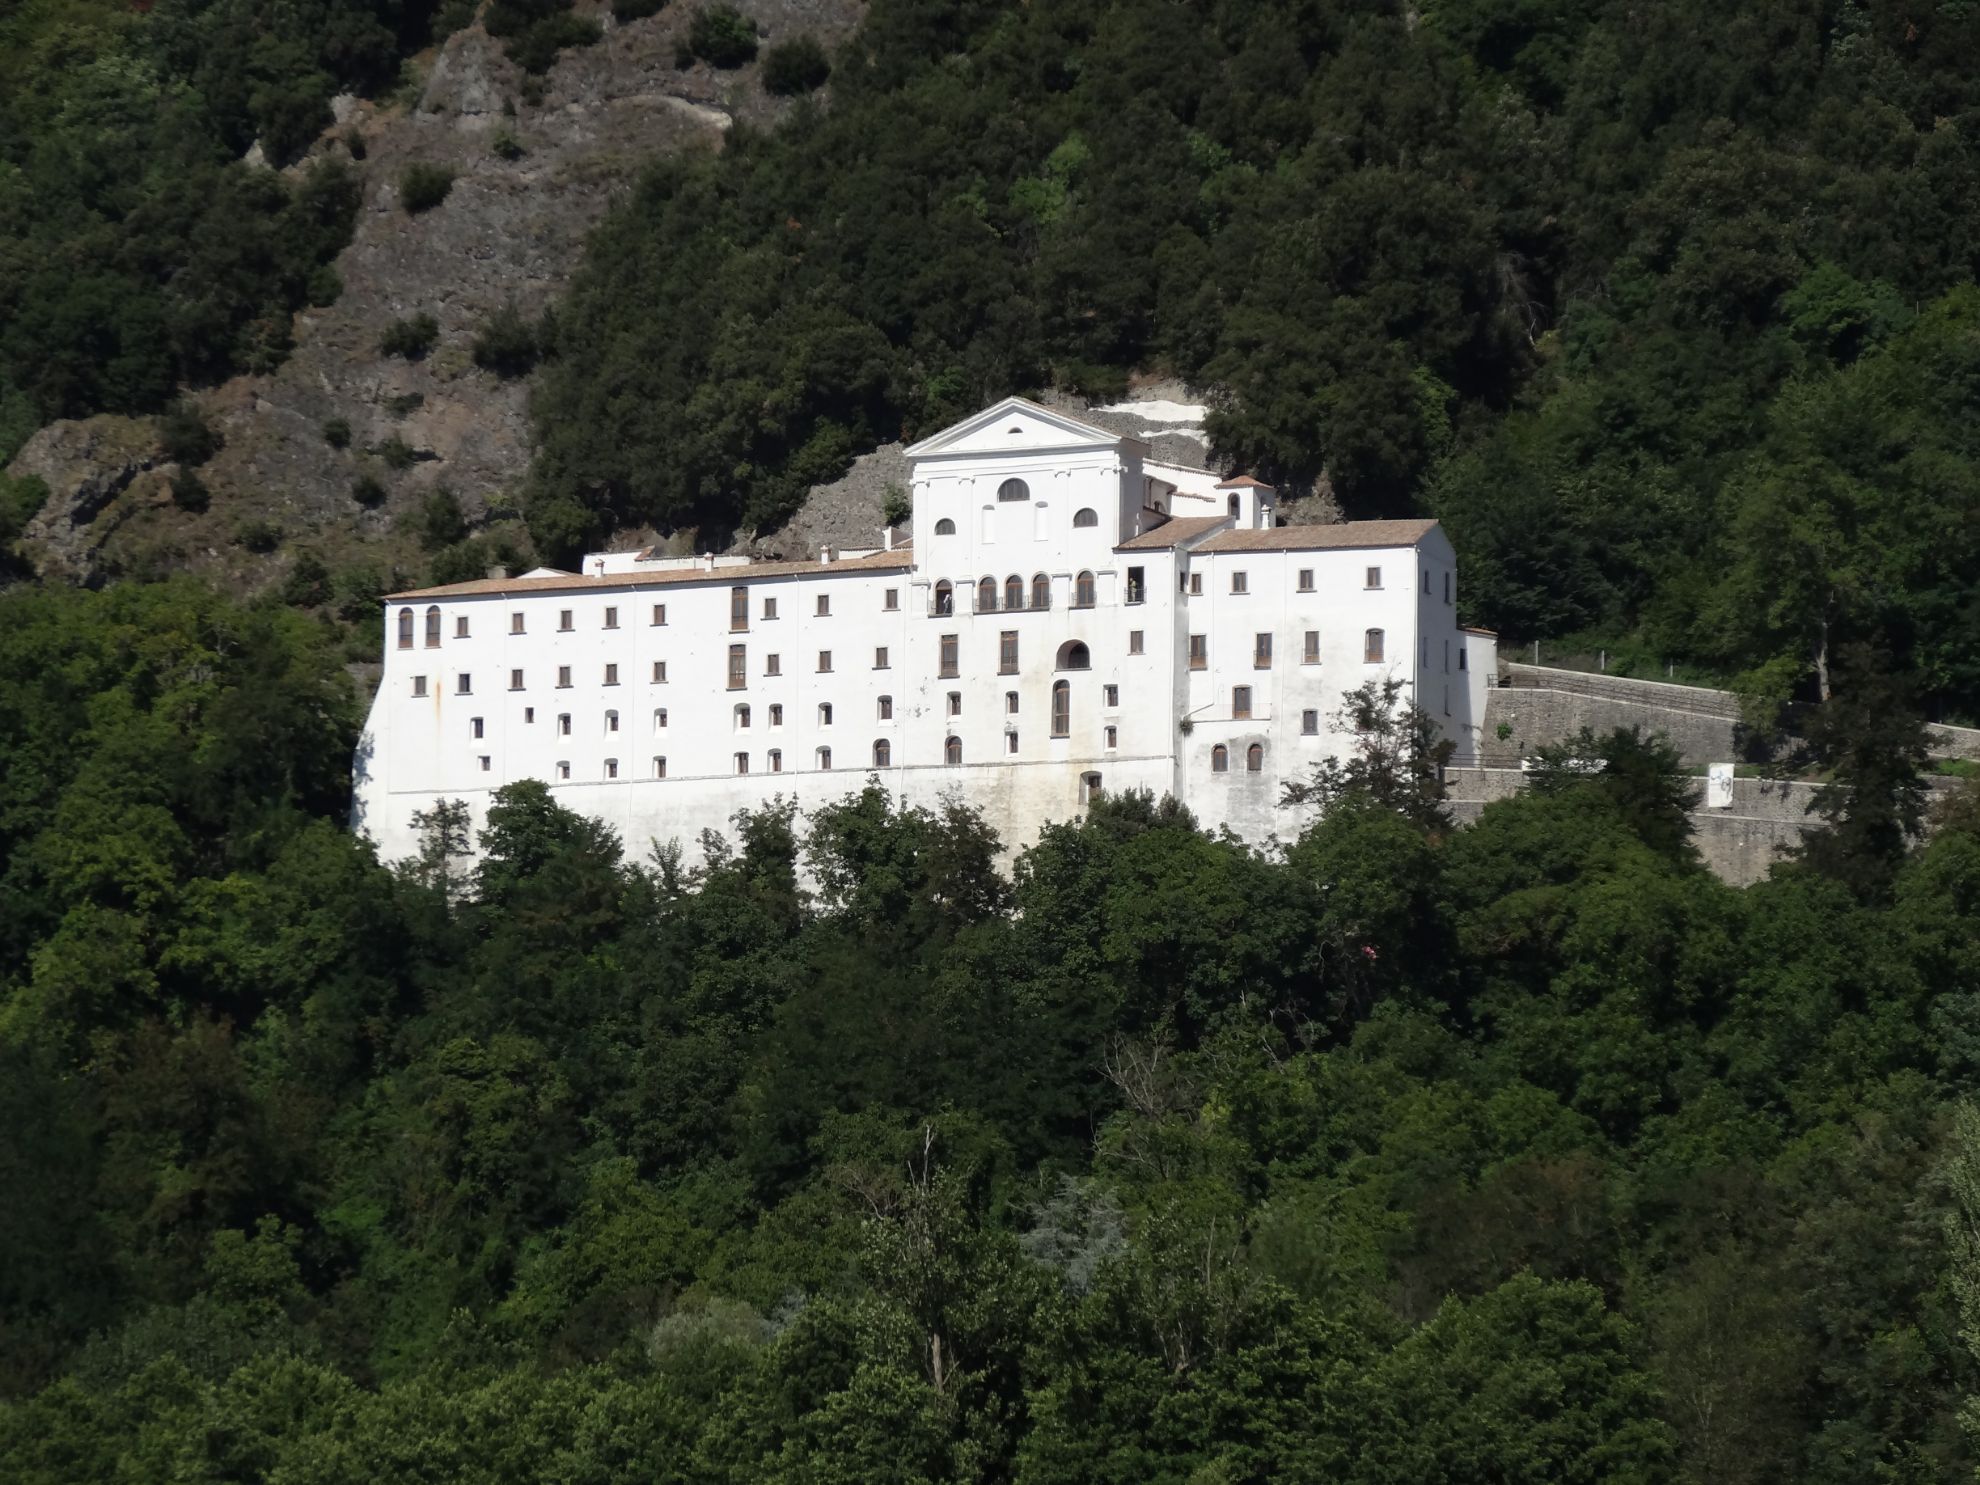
x: 884, y: 708
x: 563, y: 724
x: 660, y: 720
x: 1372, y: 578
x: 773, y: 664
x: 824, y: 714
x: 1240, y: 702
x: 824, y: 759
x: 1306, y: 580
x: 1261, y: 652
x: 660, y: 617
x: 1461, y: 652
x: 824, y: 605
x: 769, y: 608
x: 776, y: 714
x: 1447, y: 588
x: 1007, y: 653
x: 880, y: 657
x: 516, y: 622
x: 1240, y: 583
x: 1011, y: 741
x: 955, y: 703
x: 563, y: 677
x: 529, y: 714
x: 1371, y: 647
x: 1309, y: 653
x: 824, y: 661
x: 891, y: 601
x: 460, y: 626
x: 1134, y: 641
x: 475, y: 728
x: 464, y: 684
x: 1061, y: 709
x: 563, y: 770
x: 1010, y: 703
x: 659, y: 768
x: 1309, y: 723
x: 1113, y: 736
x: 611, y: 768
x: 419, y: 685
x: 949, y: 656
x: 738, y: 610
x: 1426, y: 582
x: 659, y: 672
x: 776, y: 760
x: 1111, y: 695
x: 738, y: 667
x: 611, y: 675
x: 1196, y: 585
x: 1199, y: 652
x: 515, y: 680
x: 486, y: 763
x: 563, y: 620
x: 611, y: 618
x: 742, y: 763
x: 1137, y: 585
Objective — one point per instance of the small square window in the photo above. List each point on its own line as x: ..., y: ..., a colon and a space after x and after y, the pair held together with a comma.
x: 1134, y: 641
x: 563, y: 677
x: 564, y: 625
x: 529, y: 714
x: 659, y: 768
x: 419, y: 685
x: 824, y: 714
x: 824, y: 660
x: 1196, y: 585
x: 660, y: 617
x: 1309, y: 723
x: 563, y: 724
x: 1309, y: 653
x: 611, y: 768
x: 1199, y: 652
x: 776, y: 761
x: 1113, y: 737
x: 611, y: 675
x: 659, y: 672
x: 464, y: 684
x: 516, y: 622
x: 660, y: 719
x: 769, y: 608
x: 486, y: 763
x: 460, y: 626
x: 891, y: 600
x: 824, y: 605
x: 515, y: 680
x: 742, y: 763
x: 476, y: 727
x: 773, y: 664
x: 776, y: 714
x: 1111, y: 695
x: 885, y: 708
x: 1372, y: 578
x: 1240, y: 583
x: 955, y: 703
x: 611, y: 618
x: 1240, y: 702
x: 880, y: 657
x: 563, y: 770
x: 1306, y: 580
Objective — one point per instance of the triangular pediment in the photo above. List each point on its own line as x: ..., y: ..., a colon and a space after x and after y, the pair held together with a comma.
x: 1015, y: 425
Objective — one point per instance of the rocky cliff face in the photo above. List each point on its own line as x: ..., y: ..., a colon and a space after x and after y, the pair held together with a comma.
x: 511, y: 230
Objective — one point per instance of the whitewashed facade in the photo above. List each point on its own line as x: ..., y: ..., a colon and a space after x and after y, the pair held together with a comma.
x: 1067, y: 616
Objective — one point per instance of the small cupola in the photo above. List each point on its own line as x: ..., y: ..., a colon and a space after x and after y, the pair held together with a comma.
x: 1251, y: 504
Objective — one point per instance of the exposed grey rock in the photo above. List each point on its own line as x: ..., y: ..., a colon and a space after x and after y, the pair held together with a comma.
x: 89, y: 466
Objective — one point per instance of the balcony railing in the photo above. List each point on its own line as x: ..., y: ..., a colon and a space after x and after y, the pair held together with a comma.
x: 1027, y: 604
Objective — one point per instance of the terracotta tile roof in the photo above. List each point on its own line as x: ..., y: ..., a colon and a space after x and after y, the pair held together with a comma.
x: 1468, y: 629
x: 1175, y: 530
x: 1339, y: 536
x: 1242, y: 482
x: 898, y: 560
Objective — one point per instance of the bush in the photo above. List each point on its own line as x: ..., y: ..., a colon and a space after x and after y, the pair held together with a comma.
x: 722, y: 36
x: 307, y: 583
x: 186, y: 437
x: 259, y: 535
x: 397, y: 454
x: 440, y: 522
x: 189, y: 492
x: 795, y: 66
x: 534, y: 31
x: 367, y: 491
x: 337, y: 433
x: 20, y: 500
x: 636, y: 10
x: 405, y: 402
x: 508, y: 344
x: 324, y: 288
x: 505, y: 146
x: 895, y: 505
x: 423, y: 187
x: 411, y: 338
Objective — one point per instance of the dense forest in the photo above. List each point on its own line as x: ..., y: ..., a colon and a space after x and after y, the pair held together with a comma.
x: 1524, y: 1152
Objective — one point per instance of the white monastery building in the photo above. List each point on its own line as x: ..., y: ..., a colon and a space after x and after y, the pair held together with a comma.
x: 1069, y: 616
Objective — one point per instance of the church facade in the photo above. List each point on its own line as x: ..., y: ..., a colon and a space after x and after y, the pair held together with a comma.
x: 1067, y: 616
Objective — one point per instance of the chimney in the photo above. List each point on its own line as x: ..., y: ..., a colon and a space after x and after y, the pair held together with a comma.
x: 707, y: 561
x: 825, y: 556
x: 496, y: 574
x: 598, y: 567
x: 887, y: 538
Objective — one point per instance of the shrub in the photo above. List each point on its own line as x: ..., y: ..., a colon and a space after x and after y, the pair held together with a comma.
x: 185, y: 436
x: 534, y: 31
x: 189, y: 492
x: 259, y: 535
x: 411, y: 338
x: 722, y: 36
x: 20, y: 500
x: 440, y: 522
x: 795, y: 66
x: 405, y: 402
x: 324, y: 288
x: 397, y: 454
x: 307, y: 583
x: 508, y: 344
x: 423, y: 187
x: 895, y: 506
x: 367, y: 491
x: 505, y: 146
x: 337, y: 433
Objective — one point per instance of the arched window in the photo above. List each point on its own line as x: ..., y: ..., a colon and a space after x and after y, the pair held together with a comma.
x: 405, y: 628
x: 611, y: 721
x: 1013, y: 591
x: 945, y: 527
x: 1061, y: 708
x: 952, y: 751
x: 1086, y: 516
x: 1013, y: 490
x: 1041, y: 591
x: 742, y: 717
x: 1083, y: 590
x: 1220, y: 759
x: 659, y: 768
x: 776, y: 760
x: 1073, y: 656
x: 433, y: 628
x: 1254, y: 758
x: 986, y: 596
x: 1371, y: 647
x: 1234, y: 507
x: 825, y: 758
x: 945, y: 598
x: 883, y: 753
x: 611, y: 768
x: 660, y: 719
